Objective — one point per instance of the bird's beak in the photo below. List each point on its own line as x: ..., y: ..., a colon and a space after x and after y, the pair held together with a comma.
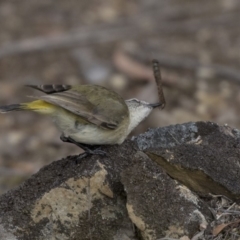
x: 154, y: 105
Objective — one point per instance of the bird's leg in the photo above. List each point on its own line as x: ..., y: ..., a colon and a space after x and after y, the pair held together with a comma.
x: 93, y: 150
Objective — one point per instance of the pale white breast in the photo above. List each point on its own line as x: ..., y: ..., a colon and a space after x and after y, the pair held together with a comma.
x: 90, y: 133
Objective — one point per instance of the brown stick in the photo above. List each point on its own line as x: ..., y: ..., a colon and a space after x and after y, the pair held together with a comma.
x: 158, y: 79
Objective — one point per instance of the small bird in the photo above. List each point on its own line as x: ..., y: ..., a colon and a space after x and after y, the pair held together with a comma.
x: 87, y: 115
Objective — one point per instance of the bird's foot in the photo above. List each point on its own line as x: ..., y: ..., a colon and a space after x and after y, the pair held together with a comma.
x: 89, y: 150
x: 80, y: 157
x: 96, y: 151
x: 88, y: 153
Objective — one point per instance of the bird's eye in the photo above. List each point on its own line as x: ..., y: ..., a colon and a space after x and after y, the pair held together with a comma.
x: 136, y: 100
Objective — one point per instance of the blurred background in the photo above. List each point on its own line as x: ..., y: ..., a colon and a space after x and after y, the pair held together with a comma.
x: 112, y: 43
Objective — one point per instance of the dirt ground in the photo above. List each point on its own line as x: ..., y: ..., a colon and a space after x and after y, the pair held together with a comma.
x: 112, y: 43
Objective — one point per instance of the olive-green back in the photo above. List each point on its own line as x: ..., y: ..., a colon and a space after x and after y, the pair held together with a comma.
x: 95, y: 104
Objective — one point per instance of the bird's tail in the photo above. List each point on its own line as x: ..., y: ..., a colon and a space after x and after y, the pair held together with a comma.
x: 9, y: 108
x: 38, y: 105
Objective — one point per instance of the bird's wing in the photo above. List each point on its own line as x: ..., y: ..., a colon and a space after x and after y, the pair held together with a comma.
x: 94, y: 108
x: 49, y: 89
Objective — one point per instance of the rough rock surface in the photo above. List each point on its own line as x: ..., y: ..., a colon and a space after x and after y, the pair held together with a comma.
x: 157, y: 205
x: 202, y: 155
x: 126, y: 195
